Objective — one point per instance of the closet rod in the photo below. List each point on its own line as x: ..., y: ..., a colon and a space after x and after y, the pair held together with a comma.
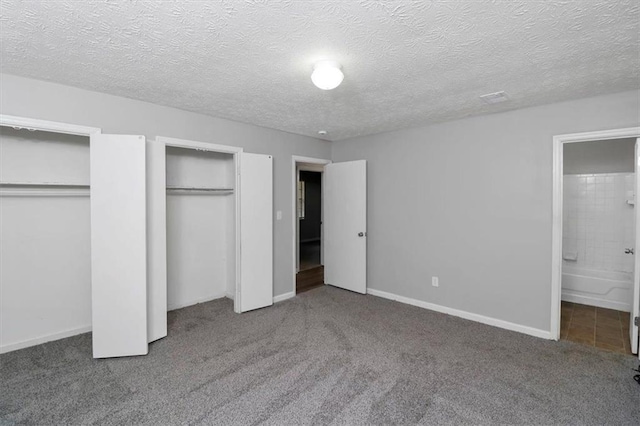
x: 42, y: 184
x: 35, y: 191
x: 197, y: 192
x: 197, y: 189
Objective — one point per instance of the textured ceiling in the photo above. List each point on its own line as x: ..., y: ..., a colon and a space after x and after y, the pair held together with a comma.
x: 406, y: 63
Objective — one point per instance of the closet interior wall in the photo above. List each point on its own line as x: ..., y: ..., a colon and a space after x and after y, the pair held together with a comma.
x: 45, y: 249
x: 201, y: 263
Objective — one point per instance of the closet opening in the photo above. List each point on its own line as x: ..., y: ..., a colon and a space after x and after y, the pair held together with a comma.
x: 200, y: 225
x: 211, y: 226
x: 45, y: 223
x: 596, y: 267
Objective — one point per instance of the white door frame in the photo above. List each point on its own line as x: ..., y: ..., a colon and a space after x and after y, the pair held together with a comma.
x: 225, y: 149
x: 556, y: 233
x: 34, y: 124
x: 317, y: 168
x: 295, y: 160
x: 47, y: 126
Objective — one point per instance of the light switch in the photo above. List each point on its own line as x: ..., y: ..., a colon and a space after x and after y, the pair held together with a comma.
x: 279, y: 215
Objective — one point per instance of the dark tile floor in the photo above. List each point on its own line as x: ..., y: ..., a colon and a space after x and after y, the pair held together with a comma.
x: 603, y: 328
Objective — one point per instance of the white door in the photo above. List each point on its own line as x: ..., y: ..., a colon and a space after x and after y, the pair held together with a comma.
x: 635, y: 306
x: 345, y: 225
x: 118, y: 246
x: 156, y: 241
x: 255, y: 288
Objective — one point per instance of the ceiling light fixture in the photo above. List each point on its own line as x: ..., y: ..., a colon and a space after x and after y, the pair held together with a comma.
x: 327, y: 75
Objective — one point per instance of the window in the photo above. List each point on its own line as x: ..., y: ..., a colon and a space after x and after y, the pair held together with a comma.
x: 300, y: 199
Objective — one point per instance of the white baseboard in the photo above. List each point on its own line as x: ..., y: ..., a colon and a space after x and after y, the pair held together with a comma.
x: 285, y: 296
x: 196, y: 301
x: 595, y: 301
x: 43, y: 339
x: 544, y: 334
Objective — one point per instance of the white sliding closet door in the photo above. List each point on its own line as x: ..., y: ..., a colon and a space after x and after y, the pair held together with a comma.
x: 118, y: 246
x: 156, y: 241
x: 256, y: 233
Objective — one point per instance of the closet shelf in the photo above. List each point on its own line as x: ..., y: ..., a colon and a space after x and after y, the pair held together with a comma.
x: 43, y: 189
x: 53, y: 185
x: 194, y: 189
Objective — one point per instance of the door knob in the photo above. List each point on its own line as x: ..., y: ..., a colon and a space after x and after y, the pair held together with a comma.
x: 360, y: 234
x: 628, y: 251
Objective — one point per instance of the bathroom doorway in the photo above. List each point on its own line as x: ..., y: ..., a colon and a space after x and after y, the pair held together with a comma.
x: 595, y: 267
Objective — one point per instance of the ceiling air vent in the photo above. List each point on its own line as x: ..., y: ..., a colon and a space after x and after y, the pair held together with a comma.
x: 494, y: 98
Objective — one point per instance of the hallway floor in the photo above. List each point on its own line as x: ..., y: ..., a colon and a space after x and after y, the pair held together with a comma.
x: 309, y: 279
x: 309, y: 255
x: 593, y: 326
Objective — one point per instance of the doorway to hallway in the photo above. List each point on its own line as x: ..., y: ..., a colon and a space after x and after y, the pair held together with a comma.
x: 309, y: 211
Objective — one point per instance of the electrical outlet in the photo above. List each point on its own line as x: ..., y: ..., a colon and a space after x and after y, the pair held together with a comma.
x: 435, y: 282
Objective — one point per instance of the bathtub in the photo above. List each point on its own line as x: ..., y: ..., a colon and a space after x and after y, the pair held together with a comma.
x: 606, y: 289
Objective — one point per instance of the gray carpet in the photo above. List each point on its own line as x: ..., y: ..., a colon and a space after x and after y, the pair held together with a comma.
x: 326, y: 357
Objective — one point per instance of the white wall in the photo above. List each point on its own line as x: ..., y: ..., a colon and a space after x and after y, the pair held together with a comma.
x: 470, y: 201
x: 198, y: 245
x: 614, y: 156
x: 27, y: 156
x: 37, y: 99
x: 45, y: 249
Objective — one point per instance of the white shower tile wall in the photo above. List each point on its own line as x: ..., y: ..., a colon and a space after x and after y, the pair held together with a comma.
x: 598, y: 220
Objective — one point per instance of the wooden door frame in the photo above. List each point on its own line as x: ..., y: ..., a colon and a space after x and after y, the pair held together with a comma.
x: 557, y: 209
x: 295, y: 160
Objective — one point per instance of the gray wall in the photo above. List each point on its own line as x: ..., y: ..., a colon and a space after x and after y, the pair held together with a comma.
x: 612, y: 156
x: 470, y: 201
x: 37, y: 99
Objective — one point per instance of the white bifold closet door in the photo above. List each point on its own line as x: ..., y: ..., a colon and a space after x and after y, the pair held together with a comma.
x: 118, y: 245
x: 256, y: 233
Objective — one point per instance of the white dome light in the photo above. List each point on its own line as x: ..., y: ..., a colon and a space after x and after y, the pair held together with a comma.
x: 327, y: 75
